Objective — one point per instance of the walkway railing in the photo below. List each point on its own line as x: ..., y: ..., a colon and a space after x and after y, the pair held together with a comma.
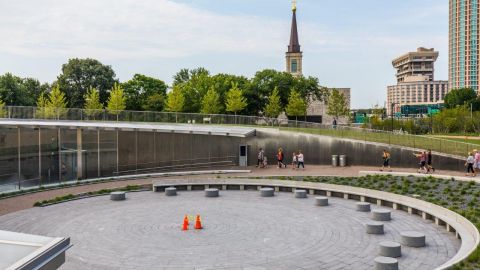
x: 348, y: 132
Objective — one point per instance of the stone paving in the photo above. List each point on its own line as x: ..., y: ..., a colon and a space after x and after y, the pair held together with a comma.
x: 26, y: 201
x: 242, y: 231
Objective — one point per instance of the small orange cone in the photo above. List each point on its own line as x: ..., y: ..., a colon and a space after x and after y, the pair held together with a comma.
x: 198, y: 223
x: 185, y: 224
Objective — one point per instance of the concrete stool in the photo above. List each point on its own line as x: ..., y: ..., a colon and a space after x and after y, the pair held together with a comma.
x: 171, y: 191
x: 118, y: 196
x: 363, y: 207
x: 267, y: 192
x: 385, y: 263
x: 374, y: 228
x: 211, y: 192
x: 300, y: 194
x: 412, y: 239
x: 321, y: 201
x: 381, y: 215
x: 390, y: 249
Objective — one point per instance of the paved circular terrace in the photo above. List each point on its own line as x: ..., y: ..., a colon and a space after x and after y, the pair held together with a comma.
x: 242, y: 230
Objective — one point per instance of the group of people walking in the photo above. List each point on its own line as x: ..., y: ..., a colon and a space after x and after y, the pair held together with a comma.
x: 425, y: 161
x: 298, y: 159
x: 473, y: 163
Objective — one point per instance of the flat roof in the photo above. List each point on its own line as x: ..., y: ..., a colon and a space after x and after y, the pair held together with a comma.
x: 201, y: 129
x: 21, y: 250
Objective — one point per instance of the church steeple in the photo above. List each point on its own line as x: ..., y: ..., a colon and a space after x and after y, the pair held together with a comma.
x: 294, y: 46
x: 294, y: 54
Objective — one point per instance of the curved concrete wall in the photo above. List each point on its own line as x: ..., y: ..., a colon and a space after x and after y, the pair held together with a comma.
x: 450, y: 220
x: 319, y: 150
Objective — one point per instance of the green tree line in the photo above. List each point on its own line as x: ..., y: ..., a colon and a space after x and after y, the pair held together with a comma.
x: 92, y: 85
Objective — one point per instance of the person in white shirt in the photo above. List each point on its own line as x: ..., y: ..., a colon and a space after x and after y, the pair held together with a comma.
x: 300, y: 160
x: 469, y: 165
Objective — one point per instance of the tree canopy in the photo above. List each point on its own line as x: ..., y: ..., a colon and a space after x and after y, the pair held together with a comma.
x: 337, y: 105
x: 273, y: 107
x: 143, y: 93
x: 296, y: 105
x: 16, y: 91
x: 462, y: 97
x: 211, y: 102
x: 79, y: 75
x: 175, y: 100
x: 236, y: 102
x: 117, y: 101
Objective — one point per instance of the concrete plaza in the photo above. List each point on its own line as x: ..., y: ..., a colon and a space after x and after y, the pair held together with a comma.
x: 242, y: 231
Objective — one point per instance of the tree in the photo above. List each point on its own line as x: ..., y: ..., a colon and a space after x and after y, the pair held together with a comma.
x: 175, y: 101
x: 211, y: 102
x: 16, y: 91
x: 2, y: 109
x: 462, y: 97
x: 57, y: 103
x: 296, y: 105
x: 92, y: 103
x: 236, y: 102
x: 139, y: 90
x: 274, y: 107
x: 116, y: 101
x: 337, y: 105
x: 42, y: 106
x: 79, y: 75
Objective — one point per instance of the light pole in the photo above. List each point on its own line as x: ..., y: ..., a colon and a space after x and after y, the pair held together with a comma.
x: 392, y: 111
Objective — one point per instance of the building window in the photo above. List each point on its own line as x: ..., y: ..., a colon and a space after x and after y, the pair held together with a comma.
x: 294, y: 66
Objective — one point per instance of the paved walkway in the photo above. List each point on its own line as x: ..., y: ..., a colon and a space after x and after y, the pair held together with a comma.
x: 246, y: 232
x: 27, y: 201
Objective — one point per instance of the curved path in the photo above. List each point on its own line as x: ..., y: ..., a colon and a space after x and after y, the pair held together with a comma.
x: 242, y: 231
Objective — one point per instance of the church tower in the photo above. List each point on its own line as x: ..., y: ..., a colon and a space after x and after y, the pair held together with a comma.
x: 294, y: 55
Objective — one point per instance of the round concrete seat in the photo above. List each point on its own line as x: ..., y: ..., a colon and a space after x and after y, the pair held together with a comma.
x: 386, y: 263
x: 211, y: 192
x: 381, y: 215
x: 321, y: 201
x: 171, y: 191
x: 300, y: 194
x: 412, y: 239
x: 390, y: 249
x: 363, y: 207
x: 267, y: 192
x: 374, y: 228
x: 118, y: 196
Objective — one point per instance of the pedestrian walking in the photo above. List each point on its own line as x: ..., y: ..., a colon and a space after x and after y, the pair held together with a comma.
x: 386, y: 161
x: 469, y: 164
x: 260, y: 158
x: 476, y: 164
x: 422, y: 157
x: 334, y: 123
x: 294, y: 160
x: 280, y: 158
x: 300, y: 160
x: 430, y: 167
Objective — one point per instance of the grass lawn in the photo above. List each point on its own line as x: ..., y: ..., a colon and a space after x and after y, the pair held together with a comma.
x: 452, y: 147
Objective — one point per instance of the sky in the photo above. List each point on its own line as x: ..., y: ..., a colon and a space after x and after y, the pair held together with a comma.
x: 345, y: 43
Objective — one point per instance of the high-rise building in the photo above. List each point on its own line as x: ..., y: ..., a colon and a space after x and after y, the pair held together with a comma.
x: 416, y: 87
x: 413, y: 64
x: 294, y: 55
x: 464, y: 16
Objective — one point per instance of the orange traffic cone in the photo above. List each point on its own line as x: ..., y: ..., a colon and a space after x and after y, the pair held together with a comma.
x: 198, y: 223
x: 185, y: 224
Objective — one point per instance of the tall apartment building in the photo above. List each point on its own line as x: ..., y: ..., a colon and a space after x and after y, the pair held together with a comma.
x: 416, y: 86
x: 464, y: 16
x: 419, y: 63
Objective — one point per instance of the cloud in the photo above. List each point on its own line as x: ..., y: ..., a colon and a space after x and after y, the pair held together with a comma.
x: 124, y: 29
